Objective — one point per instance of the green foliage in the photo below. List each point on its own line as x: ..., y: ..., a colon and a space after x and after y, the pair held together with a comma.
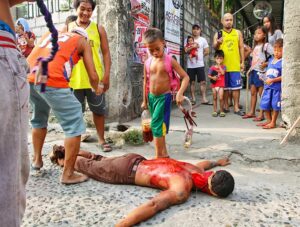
x: 134, y: 137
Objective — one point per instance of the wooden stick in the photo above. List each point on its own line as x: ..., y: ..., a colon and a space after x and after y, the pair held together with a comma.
x: 290, y: 130
x: 247, y: 91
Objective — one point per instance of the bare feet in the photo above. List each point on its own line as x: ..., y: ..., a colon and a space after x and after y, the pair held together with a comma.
x: 75, y: 178
x: 269, y: 126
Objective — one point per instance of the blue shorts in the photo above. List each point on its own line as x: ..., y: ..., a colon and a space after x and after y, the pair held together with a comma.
x: 271, y: 100
x: 65, y: 107
x: 160, y: 109
x: 233, y: 81
x: 254, y: 79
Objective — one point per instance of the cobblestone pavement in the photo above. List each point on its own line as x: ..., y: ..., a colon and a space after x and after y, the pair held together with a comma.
x: 267, y: 176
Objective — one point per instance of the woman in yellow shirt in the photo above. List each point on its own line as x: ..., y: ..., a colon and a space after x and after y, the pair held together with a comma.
x: 79, y: 80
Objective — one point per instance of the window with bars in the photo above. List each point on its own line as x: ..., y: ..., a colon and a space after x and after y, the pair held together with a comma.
x: 30, y: 10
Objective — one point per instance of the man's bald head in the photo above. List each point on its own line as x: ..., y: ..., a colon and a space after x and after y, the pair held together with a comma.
x: 227, y: 21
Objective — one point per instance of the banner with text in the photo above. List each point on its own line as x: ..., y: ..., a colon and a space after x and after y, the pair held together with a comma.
x: 172, y: 20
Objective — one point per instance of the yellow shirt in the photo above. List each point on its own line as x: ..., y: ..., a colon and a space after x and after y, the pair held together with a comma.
x: 230, y: 47
x: 79, y: 78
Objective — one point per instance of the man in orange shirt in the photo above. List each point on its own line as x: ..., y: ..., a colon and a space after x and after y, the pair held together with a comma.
x: 59, y: 97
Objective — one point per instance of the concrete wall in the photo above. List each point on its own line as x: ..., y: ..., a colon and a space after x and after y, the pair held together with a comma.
x: 125, y: 94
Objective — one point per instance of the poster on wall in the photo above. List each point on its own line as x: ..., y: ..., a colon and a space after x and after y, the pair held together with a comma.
x: 139, y: 48
x: 172, y: 20
x: 173, y: 49
x: 140, y: 10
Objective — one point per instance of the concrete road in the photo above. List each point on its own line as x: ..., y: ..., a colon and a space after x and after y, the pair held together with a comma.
x: 267, y: 177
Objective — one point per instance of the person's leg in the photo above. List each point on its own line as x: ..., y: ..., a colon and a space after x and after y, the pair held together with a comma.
x: 97, y: 106
x: 160, y: 147
x: 221, y: 98
x: 14, y: 162
x: 261, y: 112
x: 38, y: 138
x: 230, y: 101
x: 215, y: 102
x: 191, y: 73
x: 236, y: 100
x: 276, y: 106
x: 265, y: 105
x: 39, y: 122
x: 160, y: 109
x: 202, y: 80
x: 253, y: 91
x: 226, y: 105
x: 67, y: 110
x: 72, y: 145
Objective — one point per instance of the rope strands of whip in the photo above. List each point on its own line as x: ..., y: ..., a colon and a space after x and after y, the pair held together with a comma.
x: 54, y: 38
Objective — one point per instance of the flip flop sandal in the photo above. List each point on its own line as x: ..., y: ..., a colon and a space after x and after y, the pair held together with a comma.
x: 259, y: 119
x: 206, y: 103
x: 214, y: 114
x: 222, y: 114
x: 33, y: 167
x: 268, y: 127
x: 246, y: 116
x: 240, y: 113
x: 263, y: 124
x: 105, y: 147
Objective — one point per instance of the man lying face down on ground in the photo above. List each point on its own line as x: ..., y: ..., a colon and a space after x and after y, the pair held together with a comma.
x: 175, y: 178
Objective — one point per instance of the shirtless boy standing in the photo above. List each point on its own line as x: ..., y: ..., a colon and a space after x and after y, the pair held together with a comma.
x: 158, y: 96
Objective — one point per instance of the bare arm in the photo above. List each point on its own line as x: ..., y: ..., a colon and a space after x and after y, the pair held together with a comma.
x: 188, y: 49
x: 241, y: 49
x: 160, y: 202
x: 145, y: 100
x: 106, y: 56
x: 217, y: 42
x: 206, y: 51
x: 206, y: 165
x: 85, y: 50
x: 247, y: 51
x: 184, y: 83
x: 86, y: 154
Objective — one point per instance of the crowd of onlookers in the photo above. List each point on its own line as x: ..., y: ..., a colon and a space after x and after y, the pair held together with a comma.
x: 263, y: 75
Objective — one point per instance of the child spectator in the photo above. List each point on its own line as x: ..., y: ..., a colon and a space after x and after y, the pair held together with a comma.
x: 193, y: 52
x: 262, y: 49
x: 271, y: 98
x: 157, y: 84
x: 216, y: 74
x: 25, y: 38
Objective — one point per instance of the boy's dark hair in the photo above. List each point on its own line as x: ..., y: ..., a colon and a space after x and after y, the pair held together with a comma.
x: 70, y: 19
x: 278, y: 43
x: 219, y: 53
x: 152, y: 34
x: 190, y: 37
x: 58, y: 152
x: 76, y: 3
x: 222, y: 183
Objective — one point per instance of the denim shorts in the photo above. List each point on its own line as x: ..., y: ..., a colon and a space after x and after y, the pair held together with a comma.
x: 64, y: 105
x: 254, y: 79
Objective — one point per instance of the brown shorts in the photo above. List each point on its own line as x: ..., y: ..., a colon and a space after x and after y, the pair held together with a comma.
x: 113, y: 170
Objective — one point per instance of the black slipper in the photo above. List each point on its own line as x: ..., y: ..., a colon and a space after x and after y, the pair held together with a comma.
x: 206, y: 103
x: 33, y: 167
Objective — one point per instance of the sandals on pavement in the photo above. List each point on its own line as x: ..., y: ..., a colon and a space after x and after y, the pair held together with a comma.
x: 259, y: 119
x: 105, y: 147
x: 246, y: 116
x: 222, y: 114
x: 268, y: 126
x: 263, y: 124
x: 36, y: 168
x: 193, y: 102
x: 214, y: 114
x: 240, y: 113
x: 226, y: 111
x: 207, y: 103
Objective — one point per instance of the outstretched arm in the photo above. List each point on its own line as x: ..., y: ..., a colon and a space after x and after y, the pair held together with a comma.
x: 206, y: 165
x: 160, y: 202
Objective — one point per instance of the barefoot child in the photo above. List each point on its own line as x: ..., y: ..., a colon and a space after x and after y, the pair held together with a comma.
x: 217, y: 75
x: 157, y: 84
x: 271, y: 99
x: 194, y: 51
x: 260, y: 54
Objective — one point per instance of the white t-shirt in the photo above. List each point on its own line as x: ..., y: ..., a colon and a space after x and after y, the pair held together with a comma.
x: 202, y: 45
x: 277, y: 35
x: 259, y: 55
